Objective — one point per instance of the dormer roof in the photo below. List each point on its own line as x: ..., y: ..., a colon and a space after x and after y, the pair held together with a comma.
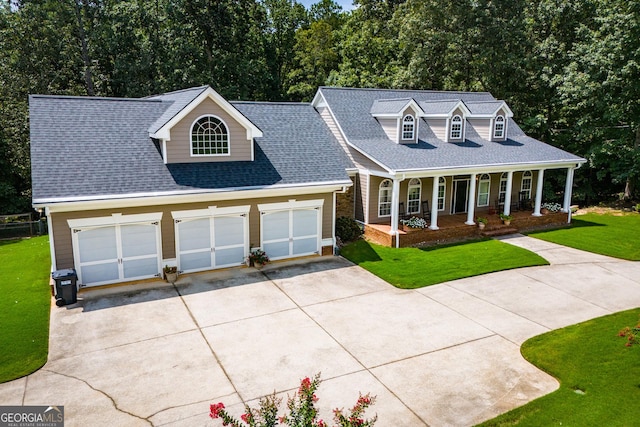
x: 184, y: 101
x: 488, y: 109
x: 442, y: 108
x: 393, y: 107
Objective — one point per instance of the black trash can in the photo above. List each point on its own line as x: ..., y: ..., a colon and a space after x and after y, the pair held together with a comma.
x: 66, y: 286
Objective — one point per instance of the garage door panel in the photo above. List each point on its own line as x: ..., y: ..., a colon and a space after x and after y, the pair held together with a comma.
x: 275, y: 225
x: 139, y: 240
x: 97, y: 244
x: 140, y: 267
x: 195, y: 261
x: 228, y: 231
x: 195, y: 234
x: 305, y: 246
x: 276, y: 250
x: 99, y: 273
x: 305, y: 222
x: 229, y: 256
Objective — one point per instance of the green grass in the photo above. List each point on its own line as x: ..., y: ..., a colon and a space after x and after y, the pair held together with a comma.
x: 605, y: 234
x: 411, y: 268
x: 589, y: 357
x: 24, y: 306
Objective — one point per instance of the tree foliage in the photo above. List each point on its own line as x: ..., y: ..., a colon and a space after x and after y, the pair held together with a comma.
x: 570, y: 70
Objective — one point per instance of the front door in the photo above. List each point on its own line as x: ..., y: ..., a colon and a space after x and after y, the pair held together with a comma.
x: 460, y: 193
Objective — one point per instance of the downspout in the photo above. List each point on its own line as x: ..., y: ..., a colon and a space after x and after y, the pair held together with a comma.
x: 52, y: 247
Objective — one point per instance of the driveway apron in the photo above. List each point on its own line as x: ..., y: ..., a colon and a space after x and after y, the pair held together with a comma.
x: 444, y: 355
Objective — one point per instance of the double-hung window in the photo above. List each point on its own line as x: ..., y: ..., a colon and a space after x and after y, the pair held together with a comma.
x: 456, y: 127
x: 413, y: 196
x: 498, y: 127
x: 384, y: 198
x: 408, y: 127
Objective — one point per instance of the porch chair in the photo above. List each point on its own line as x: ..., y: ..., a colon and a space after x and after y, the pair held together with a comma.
x: 426, y: 212
x: 402, y: 212
x: 515, y: 205
x: 524, y: 203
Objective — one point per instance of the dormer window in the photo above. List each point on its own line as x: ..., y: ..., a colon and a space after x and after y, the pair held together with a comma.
x: 456, y: 128
x: 408, y: 127
x: 498, y: 127
x: 209, y: 137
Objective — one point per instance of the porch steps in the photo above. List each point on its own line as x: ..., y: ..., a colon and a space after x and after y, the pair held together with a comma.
x: 499, y: 231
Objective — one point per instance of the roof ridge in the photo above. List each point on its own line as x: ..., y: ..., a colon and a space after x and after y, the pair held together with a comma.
x: 272, y: 102
x: 178, y: 91
x: 373, y: 89
x: 93, y: 98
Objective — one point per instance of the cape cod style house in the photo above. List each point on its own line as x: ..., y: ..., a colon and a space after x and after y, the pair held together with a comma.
x: 188, y: 178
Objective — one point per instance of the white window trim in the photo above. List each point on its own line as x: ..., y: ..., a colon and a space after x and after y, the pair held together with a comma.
x: 503, y: 178
x: 211, y: 211
x: 481, y: 180
x: 444, y: 194
x: 291, y: 204
x: 413, y: 128
x: 227, y: 154
x: 410, y: 187
x: 116, y: 218
x: 451, y: 137
x: 390, y: 189
x: 504, y: 127
x: 522, y: 180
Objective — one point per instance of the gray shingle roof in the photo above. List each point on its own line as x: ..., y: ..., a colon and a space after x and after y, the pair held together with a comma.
x: 100, y: 147
x: 438, y: 107
x: 389, y: 106
x: 177, y: 100
x: 485, y: 107
x: 351, y: 108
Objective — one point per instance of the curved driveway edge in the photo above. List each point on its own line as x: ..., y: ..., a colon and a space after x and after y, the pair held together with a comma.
x: 442, y: 355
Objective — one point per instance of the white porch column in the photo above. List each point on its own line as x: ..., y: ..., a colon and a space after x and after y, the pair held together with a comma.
x: 434, y: 203
x: 536, y: 209
x: 472, y: 200
x: 507, y: 195
x: 568, y: 188
x: 395, y: 201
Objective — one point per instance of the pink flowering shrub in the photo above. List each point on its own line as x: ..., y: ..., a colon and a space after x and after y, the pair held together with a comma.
x: 301, y: 411
x: 631, y: 334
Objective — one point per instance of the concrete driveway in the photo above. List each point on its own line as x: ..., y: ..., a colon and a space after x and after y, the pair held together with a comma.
x: 447, y: 354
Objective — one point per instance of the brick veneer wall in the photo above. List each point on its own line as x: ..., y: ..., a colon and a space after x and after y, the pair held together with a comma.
x: 462, y: 232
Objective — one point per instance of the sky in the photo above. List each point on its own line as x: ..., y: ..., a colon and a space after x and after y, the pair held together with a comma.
x: 346, y: 4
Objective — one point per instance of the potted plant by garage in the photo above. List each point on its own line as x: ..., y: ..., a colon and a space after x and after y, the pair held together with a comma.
x: 482, y: 222
x: 170, y: 274
x: 506, y: 219
x: 258, y: 258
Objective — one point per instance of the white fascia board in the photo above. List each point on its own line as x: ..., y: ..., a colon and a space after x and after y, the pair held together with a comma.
x: 211, y: 211
x: 494, y: 168
x: 291, y: 204
x: 252, y: 130
x: 462, y: 106
x: 114, y: 219
x: 195, y: 196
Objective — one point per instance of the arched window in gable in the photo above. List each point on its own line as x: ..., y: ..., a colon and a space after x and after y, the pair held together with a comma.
x: 209, y: 137
x: 456, y: 127
x: 408, y: 127
x: 498, y: 127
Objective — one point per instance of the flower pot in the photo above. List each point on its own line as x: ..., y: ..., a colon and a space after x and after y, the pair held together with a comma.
x: 258, y: 265
x: 544, y: 211
x: 481, y: 225
x: 171, y: 277
x: 506, y: 222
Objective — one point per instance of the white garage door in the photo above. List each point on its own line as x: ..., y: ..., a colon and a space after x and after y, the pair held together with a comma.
x: 294, y: 231
x: 217, y: 240
x: 110, y: 253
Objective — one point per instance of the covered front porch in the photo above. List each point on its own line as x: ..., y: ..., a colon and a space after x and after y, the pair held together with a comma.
x: 452, y: 228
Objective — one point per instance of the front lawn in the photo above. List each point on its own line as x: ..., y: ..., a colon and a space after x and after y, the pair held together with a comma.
x: 613, y: 235
x: 411, y: 268
x: 599, y: 377
x: 24, y: 306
